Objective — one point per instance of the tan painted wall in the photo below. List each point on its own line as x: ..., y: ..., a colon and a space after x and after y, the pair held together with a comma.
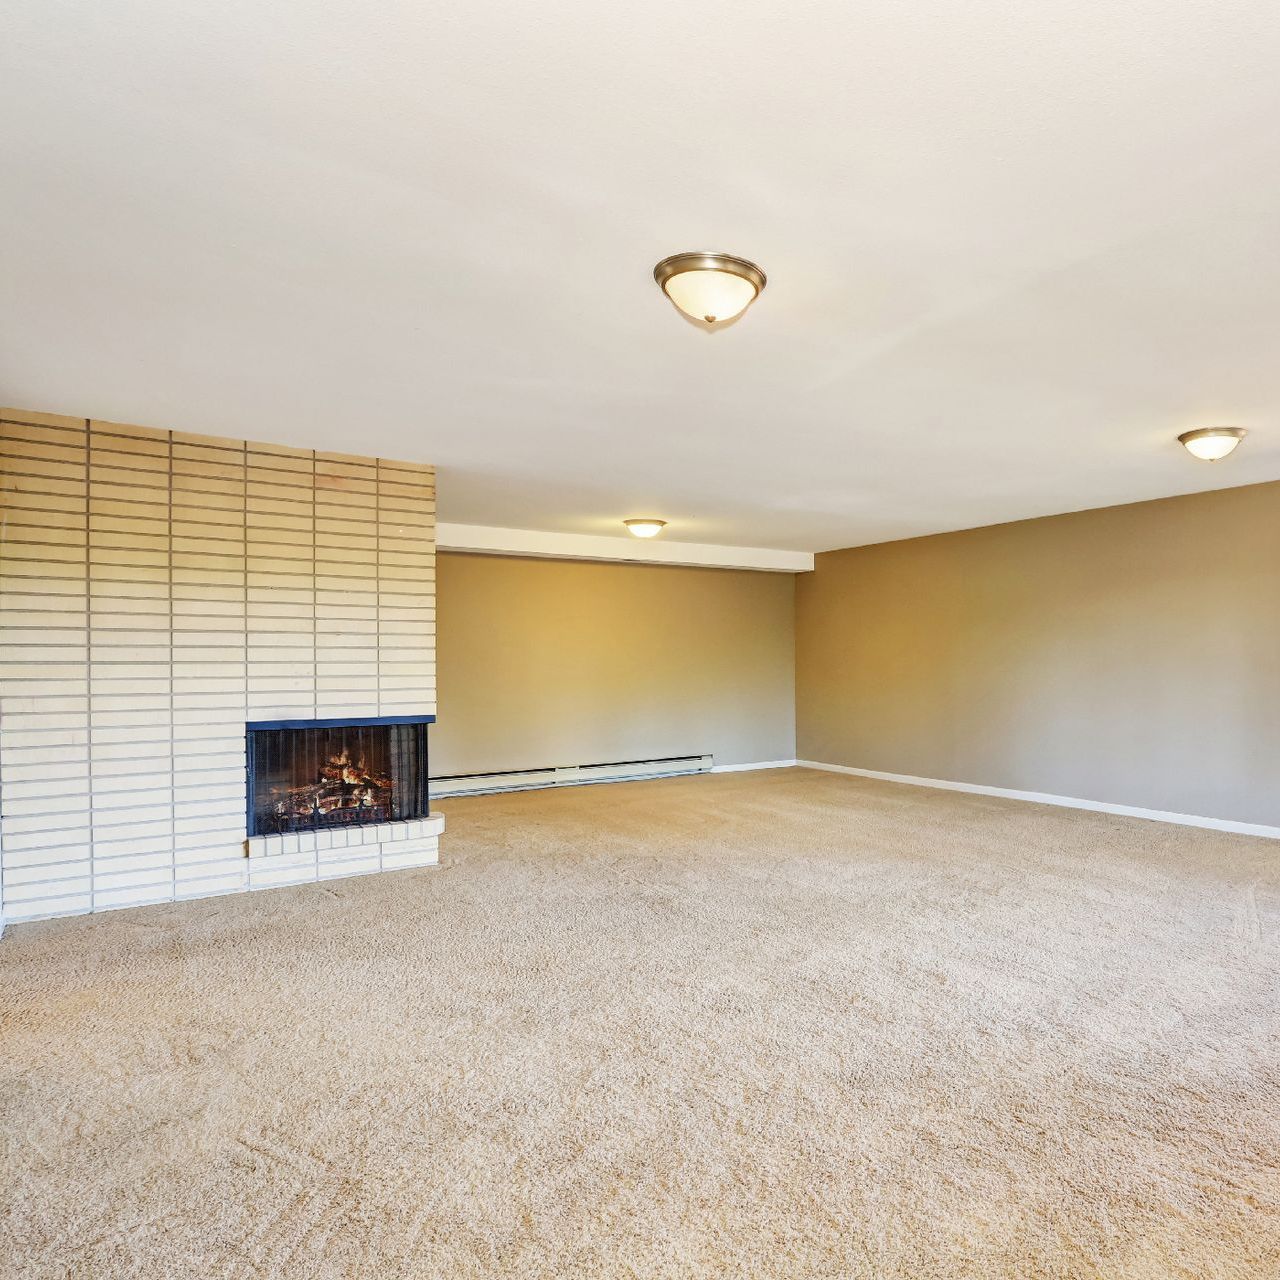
x: 561, y: 662
x: 1128, y: 655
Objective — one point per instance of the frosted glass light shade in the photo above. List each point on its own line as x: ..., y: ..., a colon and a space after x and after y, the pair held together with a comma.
x: 710, y: 295
x: 645, y: 528
x: 1210, y: 444
x: 710, y: 287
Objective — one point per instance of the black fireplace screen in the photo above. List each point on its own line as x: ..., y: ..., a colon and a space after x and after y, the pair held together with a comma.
x: 306, y: 779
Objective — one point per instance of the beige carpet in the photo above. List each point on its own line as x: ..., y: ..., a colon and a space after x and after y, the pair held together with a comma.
x: 781, y: 1024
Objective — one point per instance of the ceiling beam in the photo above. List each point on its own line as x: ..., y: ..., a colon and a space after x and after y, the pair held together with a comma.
x: 489, y: 540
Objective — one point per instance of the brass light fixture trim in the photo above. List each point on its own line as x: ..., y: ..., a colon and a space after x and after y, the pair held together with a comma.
x: 680, y: 264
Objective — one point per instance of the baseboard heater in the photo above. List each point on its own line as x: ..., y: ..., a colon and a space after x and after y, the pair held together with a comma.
x: 574, y: 775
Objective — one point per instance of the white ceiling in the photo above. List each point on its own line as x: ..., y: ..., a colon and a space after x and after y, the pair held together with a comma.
x: 1013, y: 248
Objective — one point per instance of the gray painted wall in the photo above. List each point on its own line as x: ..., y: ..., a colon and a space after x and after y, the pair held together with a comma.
x: 1128, y: 655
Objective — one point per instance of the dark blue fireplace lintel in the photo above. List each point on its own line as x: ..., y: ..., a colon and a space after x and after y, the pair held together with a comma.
x: 340, y: 722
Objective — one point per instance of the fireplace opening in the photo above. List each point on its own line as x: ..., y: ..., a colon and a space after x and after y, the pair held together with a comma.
x: 312, y: 775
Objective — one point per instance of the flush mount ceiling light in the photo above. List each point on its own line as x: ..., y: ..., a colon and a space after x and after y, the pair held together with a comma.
x: 710, y: 287
x: 1209, y: 444
x: 646, y: 528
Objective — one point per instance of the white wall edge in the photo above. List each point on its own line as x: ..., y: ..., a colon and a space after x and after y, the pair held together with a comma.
x: 1064, y: 802
x: 759, y: 764
x: 488, y: 539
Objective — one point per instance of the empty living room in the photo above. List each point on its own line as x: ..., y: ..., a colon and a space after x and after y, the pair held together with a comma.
x: 640, y: 642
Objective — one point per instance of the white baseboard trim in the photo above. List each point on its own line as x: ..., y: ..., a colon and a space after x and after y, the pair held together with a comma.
x: 495, y: 783
x: 1065, y: 802
x: 541, y: 779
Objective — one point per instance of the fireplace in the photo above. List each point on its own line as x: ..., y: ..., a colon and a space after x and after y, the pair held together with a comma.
x: 312, y: 775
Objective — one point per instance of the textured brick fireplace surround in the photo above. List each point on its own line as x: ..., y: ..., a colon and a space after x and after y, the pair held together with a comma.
x: 160, y: 590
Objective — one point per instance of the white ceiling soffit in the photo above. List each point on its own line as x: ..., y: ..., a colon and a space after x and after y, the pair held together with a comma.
x: 588, y: 546
x: 1013, y: 249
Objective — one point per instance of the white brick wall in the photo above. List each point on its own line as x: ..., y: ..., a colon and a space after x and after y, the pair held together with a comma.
x: 157, y: 590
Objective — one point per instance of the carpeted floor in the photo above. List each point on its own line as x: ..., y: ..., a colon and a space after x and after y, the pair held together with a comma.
x: 776, y: 1024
